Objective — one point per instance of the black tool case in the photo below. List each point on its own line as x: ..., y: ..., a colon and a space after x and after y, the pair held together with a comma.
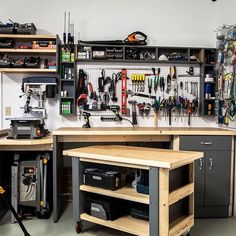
x: 32, y: 62
x: 6, y: 43
x: 28, y: 28
x: 105, y: 208
x: 102, y: 178
x: 139, y: 211
x: 6, y: 28
x: 16, y: 28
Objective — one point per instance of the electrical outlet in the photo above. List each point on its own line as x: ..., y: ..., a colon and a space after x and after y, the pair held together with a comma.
x: 7, y: 111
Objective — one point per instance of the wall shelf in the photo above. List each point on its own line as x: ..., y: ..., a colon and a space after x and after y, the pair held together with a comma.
x: 183, y: 56
x: 137, y: 61
x: 27, y: 70
x: 27, y: 36
x: 67, y: 80
x: 16, y: 50
x: 13, y: 54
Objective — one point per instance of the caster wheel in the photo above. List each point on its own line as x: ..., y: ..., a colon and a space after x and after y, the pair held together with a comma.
x: 78, y: 227
x: 21, y: 217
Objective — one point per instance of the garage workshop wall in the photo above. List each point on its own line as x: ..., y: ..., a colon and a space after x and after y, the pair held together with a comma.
x: 167, y: 23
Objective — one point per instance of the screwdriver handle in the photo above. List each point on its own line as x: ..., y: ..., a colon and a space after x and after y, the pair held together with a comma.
x: 134, y: 118
x: 189, y: 119
x: 156, y: 119
x: 170, y: 116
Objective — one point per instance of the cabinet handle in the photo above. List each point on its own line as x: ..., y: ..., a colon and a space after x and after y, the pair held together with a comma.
x: 206, y: 143
x: 200, y: 164
x: 211, y: 164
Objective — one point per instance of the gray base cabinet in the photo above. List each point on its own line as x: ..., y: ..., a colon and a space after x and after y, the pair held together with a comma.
x: 212, y: 174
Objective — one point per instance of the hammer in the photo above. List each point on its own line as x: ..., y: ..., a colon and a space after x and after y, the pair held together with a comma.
x: 134, y: 114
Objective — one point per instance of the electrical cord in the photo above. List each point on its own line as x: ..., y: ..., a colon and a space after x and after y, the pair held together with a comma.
x: 129, y: 121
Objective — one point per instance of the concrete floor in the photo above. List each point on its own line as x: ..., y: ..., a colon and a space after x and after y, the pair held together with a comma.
x: 65, y: 227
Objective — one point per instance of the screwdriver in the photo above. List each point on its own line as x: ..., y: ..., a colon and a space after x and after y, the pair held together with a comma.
x: 150, y: 86
x: 189, y: 111
x: 162, y: 84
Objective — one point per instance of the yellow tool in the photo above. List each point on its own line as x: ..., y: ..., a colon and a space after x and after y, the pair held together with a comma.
x: 2, y: 192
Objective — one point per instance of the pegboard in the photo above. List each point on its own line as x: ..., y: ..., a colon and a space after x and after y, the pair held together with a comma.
x: 191, y: 84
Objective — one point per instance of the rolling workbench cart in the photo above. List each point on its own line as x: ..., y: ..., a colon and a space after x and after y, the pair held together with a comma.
x: 171, y: 187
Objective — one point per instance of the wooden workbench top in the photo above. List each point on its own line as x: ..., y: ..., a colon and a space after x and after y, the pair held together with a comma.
x: 3, y: 132
x: 135, y: 155
x: 25, y: 142
x: 142, y: 131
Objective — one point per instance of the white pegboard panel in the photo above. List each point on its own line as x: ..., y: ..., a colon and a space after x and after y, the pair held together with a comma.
x: 94, y: 70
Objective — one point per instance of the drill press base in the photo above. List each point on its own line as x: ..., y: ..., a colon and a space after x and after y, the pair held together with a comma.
x: 27, y: 128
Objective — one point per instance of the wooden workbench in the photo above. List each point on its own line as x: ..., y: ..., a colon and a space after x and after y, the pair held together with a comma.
x: 44, y: 144
x: 3, y: 132
x: 81, y: 136
x: 160, y: 163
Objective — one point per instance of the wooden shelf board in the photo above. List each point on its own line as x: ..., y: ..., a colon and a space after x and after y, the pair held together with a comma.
x: 209, y: 64
x: 67, y: 98
x: 67, y: 62
x: 125, y: 224
x: 26, y: 142
x: 16, y: 50
x: 181, y: 225
x: 28, y: 36
x: 18, y: 70
x: 181, y: 193
x: 123, y: 193
x: 67, y: 80
x: 134, y: 61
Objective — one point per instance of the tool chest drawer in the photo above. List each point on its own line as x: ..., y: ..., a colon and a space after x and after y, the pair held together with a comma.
x: 204, y: 143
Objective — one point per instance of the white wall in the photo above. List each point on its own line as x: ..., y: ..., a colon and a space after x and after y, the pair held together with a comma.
x: 169, y: 22
x: 225, y: 12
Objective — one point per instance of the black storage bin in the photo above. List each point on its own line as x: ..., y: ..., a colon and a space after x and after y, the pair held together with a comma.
x: 28, y: 28
x: 143, y: 183
x: 6, y: 43
x: 32, y: 62
x: 105, y: 208
x: 102, y: 178
x: 139, y: 211
x: 16, y: 28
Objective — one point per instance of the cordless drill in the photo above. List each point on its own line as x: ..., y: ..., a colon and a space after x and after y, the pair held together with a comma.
x: 86, y: 116
x: 115, y: 109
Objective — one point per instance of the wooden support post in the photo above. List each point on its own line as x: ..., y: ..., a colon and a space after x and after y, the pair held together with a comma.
x: 164, y: 202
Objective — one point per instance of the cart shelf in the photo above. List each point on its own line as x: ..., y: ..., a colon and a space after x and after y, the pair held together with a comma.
x: 125, y: 193
x: 126, y: 224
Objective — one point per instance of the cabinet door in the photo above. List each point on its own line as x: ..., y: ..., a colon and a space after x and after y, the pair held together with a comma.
x: 199, y: 183
x: 217, y: 179
x: 188, y: 143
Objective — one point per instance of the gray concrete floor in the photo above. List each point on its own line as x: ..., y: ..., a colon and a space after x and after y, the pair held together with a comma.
x: 65, y: 227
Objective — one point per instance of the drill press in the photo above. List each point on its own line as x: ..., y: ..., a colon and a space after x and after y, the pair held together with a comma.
x: 32, y: 124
